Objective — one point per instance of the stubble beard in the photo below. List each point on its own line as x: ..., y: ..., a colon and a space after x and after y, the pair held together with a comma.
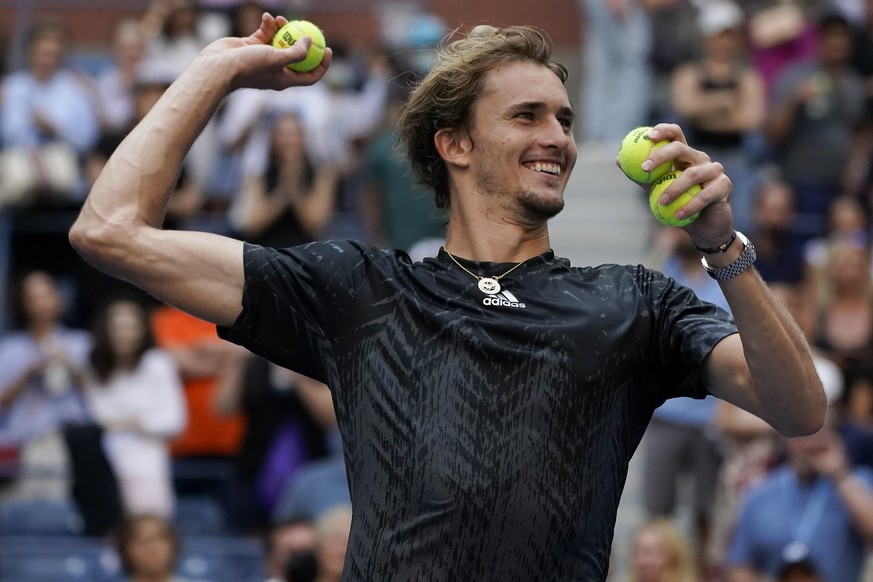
x: 527, y: 205
x: 535, y: 208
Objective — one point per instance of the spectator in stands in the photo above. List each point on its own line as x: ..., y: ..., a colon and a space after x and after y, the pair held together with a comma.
x: 721, y: 102
x: 291, y: 200
x: 245, y: 17
x: 617, y: 36
x: 41, y: 373
x: 114, y: 87
x: 859, y: 403
x: 860, y: 171
x: 816, y: 504
x: 135, y: 394
x: 845, y: 305
x: 812, y: 124
x: 847, y: 222
x: 331, y: 539
x: 660, y: 554
x: 398, y: 212
x: 45, y: 112
x: 149, y: 548
x: 288, y: 546
x: 320, y: 484
x: 782, y: 33
x: 337, y: 117
x: 176, y: 32
x: 675, y: 25
x: 798, y: 567
x: 288, y: 416
x: 780, y: 252
x: 202, y: 360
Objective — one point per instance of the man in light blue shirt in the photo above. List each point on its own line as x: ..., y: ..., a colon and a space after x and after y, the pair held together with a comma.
x: 815, y: 504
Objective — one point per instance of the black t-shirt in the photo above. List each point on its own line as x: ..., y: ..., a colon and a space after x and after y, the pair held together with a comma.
x: 486, y: 437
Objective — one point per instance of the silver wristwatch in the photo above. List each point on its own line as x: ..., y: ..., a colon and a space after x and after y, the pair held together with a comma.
x: 743, y: 262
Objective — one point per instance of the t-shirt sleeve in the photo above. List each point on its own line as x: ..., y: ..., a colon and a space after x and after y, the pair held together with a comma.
x: 291, y: 300
x: 686, y: 331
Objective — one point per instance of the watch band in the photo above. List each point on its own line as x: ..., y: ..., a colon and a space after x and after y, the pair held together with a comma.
x: 744, y: 261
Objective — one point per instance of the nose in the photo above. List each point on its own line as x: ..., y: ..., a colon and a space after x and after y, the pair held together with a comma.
x: 556, y: 133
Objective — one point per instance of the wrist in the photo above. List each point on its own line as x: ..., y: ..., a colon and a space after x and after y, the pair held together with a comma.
x: 721, y: 245
x: 838, y: 477
x: 732, y: 261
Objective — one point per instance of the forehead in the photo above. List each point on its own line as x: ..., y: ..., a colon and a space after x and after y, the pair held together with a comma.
x: 523, y: 82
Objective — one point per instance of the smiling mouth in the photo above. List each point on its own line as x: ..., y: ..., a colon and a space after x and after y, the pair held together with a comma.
x: 545, y: 168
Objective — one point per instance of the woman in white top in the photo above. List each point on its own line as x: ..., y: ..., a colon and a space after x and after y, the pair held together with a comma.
x: 136, y: 395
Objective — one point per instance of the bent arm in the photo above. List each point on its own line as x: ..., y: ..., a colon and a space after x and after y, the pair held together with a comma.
x: 767, y: 368
x: 119, y: 228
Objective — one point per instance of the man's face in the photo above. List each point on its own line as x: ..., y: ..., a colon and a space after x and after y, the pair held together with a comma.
x: 522, y: 143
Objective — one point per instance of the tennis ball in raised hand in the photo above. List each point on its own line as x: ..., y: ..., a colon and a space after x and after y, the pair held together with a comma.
x: 633, y: 151
x: 294, y: 31
x: 667, y: 214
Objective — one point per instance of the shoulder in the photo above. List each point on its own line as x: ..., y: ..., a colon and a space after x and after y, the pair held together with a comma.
x: 17, y: 81
x: 15, y: 340
x: 328, y: 255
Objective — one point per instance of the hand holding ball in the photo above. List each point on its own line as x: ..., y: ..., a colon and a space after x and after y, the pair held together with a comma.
x: 294, y: 31
x: 667, y: 214
x: 633, y: 151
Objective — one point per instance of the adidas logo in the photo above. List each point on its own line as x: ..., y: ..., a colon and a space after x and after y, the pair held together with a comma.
x: 503, y: 299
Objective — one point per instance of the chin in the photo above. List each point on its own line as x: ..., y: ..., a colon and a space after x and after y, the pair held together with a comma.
x: 538, y: 208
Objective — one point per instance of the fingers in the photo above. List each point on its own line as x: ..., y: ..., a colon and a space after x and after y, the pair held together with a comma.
x: 669, y: 131
x: 715, y: 184
x: 696, y: 167
x: 267, y: 30
x: 309, y: 77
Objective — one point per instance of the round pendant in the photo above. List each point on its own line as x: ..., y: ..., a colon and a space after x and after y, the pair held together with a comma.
x: 489, y: 286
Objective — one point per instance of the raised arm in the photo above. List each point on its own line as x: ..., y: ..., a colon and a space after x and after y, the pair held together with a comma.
x: 119, y: 227
x: 767, y: 368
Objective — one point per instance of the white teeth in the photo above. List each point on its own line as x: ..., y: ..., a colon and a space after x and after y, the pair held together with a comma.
x: 547, y: 168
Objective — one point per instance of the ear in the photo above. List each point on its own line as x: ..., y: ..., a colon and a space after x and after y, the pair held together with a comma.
x: 453, y: 146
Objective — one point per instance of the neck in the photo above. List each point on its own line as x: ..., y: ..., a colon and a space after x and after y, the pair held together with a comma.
x: 41, y: 329
x: 478, y: 236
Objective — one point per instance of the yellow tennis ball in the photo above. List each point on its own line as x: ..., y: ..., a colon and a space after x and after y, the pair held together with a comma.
x: 667, y: 214
x: 294, y: 31
x: 633, y: 151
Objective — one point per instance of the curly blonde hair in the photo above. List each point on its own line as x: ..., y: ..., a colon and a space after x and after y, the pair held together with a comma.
x: 444, y: 99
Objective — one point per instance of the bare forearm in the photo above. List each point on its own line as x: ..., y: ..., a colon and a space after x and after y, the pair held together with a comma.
x: 785, y: 390
x: 141, y: 174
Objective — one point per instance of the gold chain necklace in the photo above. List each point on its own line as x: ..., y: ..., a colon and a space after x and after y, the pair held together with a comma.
x: 487, y: 285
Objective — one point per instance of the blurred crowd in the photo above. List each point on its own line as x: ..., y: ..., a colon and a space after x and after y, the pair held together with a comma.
x: 781, y: 93
x: 124, y: 419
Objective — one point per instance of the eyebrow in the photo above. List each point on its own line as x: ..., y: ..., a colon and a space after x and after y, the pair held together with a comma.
x: 565, y: 111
